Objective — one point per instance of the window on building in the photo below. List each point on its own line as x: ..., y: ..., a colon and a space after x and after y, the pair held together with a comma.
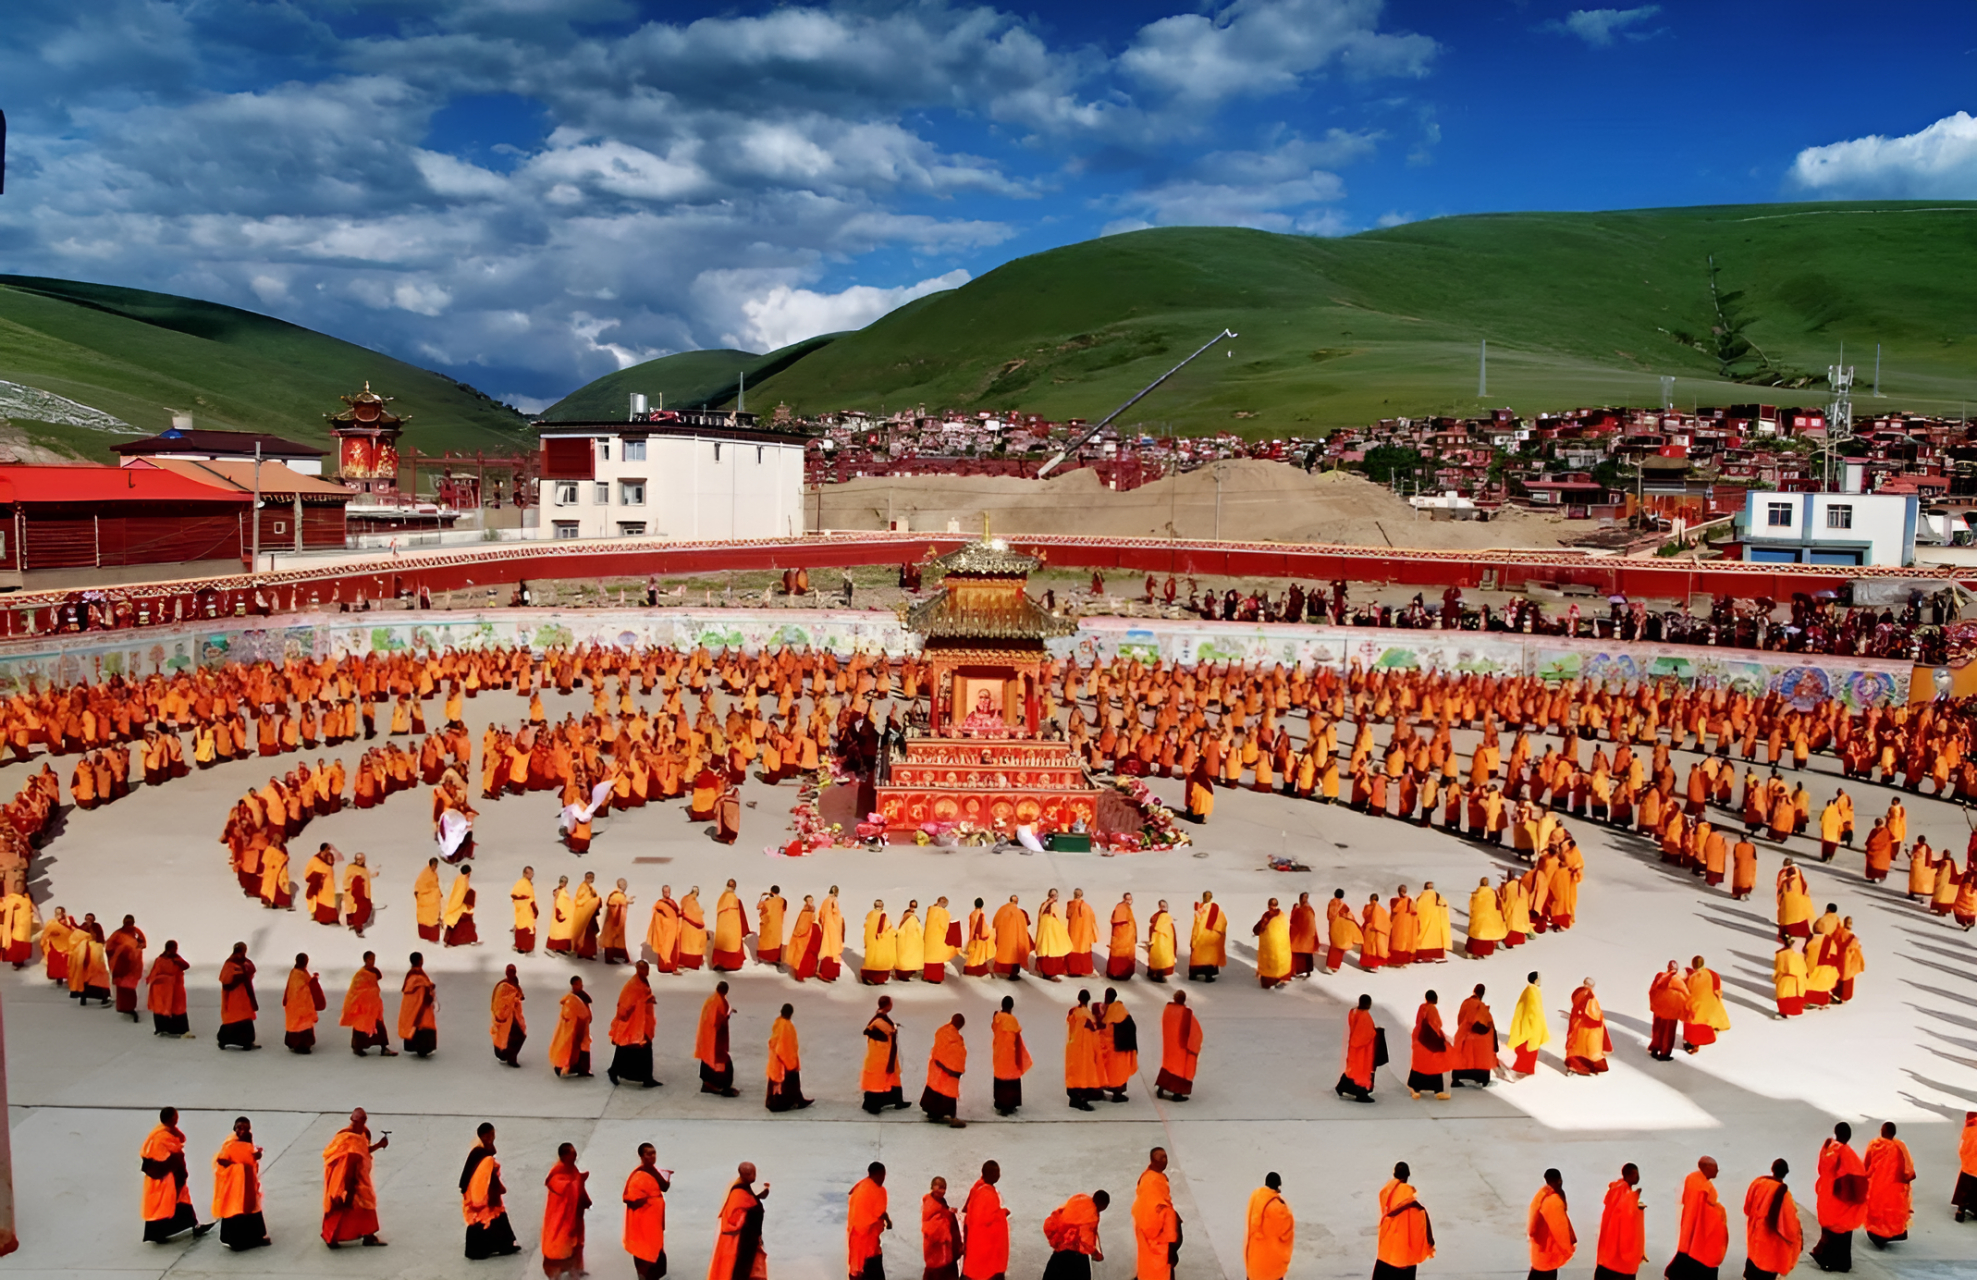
x: 1839, y: 516
x: 634, y: 451
x: 566, y: 494
x: 758, y: 455
x: 1778, y: 515
x: 717, y: 451
x: 603, y: 495
x: 566, y: 528
x: 631, y: 493
x: 631, y: 528
x: 604, y: 450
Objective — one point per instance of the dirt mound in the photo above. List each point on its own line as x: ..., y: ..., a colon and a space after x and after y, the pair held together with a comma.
x: 1246, y: 500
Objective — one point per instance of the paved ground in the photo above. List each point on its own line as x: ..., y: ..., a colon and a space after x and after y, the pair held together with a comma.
x: 84, y: 1086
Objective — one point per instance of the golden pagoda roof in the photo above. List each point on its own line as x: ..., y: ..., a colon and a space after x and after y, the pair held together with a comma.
x: 367, y: 409
x: 1011, y: 616
x: 989, y: 557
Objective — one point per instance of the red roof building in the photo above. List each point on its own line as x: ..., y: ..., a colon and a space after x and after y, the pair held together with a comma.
x: 93, y: 526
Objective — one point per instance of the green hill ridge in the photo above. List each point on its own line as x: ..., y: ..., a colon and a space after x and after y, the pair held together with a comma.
x: 136, y: 354
x: 1577, y: 308
x: 685, y: 380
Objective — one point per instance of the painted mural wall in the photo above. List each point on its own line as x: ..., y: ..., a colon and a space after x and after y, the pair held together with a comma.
x: 1806, y: 679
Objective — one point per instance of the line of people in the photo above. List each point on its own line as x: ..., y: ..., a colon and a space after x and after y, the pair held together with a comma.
x: 1870, y: 1191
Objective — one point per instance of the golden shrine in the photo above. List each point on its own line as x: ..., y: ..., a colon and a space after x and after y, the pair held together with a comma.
x: 985, y: 758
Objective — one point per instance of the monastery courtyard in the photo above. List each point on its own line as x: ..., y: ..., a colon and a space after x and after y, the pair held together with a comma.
x: 84, y: 1086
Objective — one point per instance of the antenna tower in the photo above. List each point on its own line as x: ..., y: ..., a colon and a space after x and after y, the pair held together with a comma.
x: 1839, y: 415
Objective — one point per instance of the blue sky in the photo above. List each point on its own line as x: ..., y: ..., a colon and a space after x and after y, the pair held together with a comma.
x: 527, y: 194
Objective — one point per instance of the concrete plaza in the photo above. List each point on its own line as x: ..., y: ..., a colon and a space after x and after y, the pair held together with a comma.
x: 84, y: 1085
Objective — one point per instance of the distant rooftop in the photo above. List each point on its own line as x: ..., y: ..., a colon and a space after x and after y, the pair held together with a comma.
x: 216, y: 444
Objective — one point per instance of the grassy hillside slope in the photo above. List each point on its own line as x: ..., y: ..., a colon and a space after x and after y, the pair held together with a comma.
x: 686, y: 380
x: 136, y: 354
x: 1577, y: 308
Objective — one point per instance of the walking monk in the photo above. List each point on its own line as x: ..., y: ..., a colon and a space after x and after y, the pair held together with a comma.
x: 168, y: 1210
x: 1553, y: 1241
x: 508, y: 1028
x: 1890, y: 1178
x: 866, y: 1220
x: 527, y: 912
x: 940, y: 1234
x: 363, y: 1010
x: 1356, y: 1079
x: 710, y: 1045
x: 785, y: 1065
x: 1773, y: 1238
x: 1528, y: 1032
x: 237, y: 1003
x: 1269, y: 1234
x: 569, y: 1047
x: 1071, y: 1230
x: 945, y: 1064
x: 1841, y: 1193
x: 1123, y: 950
x: 645, y: 1215
x: 237, y: 1190
x: 350, y: 1200
x: 632, y: 1029
x: 1407, y: 1237
x: 1011, y: 1058
x: 1622, y: 1228
x: 1156, y: 1226
x: 985, y: 1248
x: 562, y: 1215
x: 1180, y: 1050
x: 739, y: 1244
x: 1704, y: 1234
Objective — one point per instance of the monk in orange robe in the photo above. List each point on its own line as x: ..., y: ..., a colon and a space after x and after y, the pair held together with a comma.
x: 879, y: 1079
x: 1841, y: 1200
x: 237, y: 1190
x: 1084, y: 1079
x: 1773, y: 1238
x: 1549, y: 1228
x: 418, y: 1010
x: 1407, y: 1237
x: 985, y: 1235
x: 1703, y: 1236
x: 1010, y: 1059
x: 238, y: 1007
x: 866, y: 1220
x: 483, y: 1201
x: 1429, y: 1051
x: 363, y: 1010
x: 562, y: 1215
x: 1356, y: 1080
x: 1081, y: 925
x: 645, y: 1214
x: 1180, y: 1050
x: 165, y: 993
x: 1890, y: 1180
x: 167, y: 1203
x: 1473, y: 1051
x: 1156, y: 1224
x: 508, y: 1027
x: 710, y: 1045
x: 1304, y: 937
x: 940, y: 1234
x: 1123, y: 950
x: 632, y: 1029
x: 1622, y: 1227
x: 1269, y: 1232
x: 1072, y: 1228
x: 302, y: 1000
x: 945, y: 1064
x: 350, y: 1198
x: 1012, y: 939
x: 569, y: 1048
x: 739, y: 1244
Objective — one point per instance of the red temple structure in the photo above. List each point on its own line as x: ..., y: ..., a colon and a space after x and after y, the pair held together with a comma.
x: 983, y: 760
x: 367, y: 442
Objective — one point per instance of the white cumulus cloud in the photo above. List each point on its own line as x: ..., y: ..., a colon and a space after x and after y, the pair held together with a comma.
x: 786, y: 314
x: 1936, y: 163
x: 1600, y: 27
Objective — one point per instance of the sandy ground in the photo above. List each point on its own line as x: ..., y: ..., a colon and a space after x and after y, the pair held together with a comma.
x: 85, y: 1085
x: 1263, y: 501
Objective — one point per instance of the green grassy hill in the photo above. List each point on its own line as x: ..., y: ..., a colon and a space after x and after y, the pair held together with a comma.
x: 135, y: 355
x: 687, y: 380
x: 1577, y: 309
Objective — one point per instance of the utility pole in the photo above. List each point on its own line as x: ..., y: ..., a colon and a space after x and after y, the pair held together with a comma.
x: 1483, y: 371
x: 254, y: 569
x: 1218, y: 502
x: 1877, y: 372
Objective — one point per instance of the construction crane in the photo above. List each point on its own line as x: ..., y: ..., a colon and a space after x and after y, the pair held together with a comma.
x: 1082, y: 440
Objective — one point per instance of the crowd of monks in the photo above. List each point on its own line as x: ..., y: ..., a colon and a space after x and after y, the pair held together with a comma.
x: 1870, y: 1190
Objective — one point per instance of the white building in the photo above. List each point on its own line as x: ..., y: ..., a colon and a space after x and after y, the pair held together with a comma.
x: 1829, y: 528
x: 687, y: 474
